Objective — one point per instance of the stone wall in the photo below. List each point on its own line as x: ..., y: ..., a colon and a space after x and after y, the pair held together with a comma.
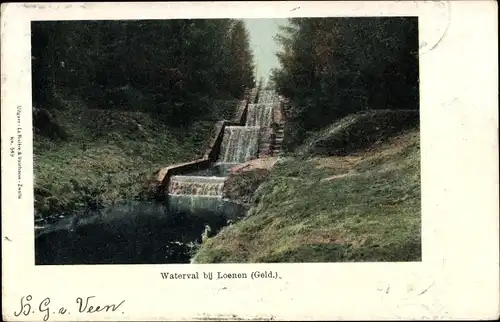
x: 159, y: 183
x: 241, y: 113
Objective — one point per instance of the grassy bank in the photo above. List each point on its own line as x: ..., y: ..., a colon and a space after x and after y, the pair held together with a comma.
x: 357, y: 207
x: 108, y: 155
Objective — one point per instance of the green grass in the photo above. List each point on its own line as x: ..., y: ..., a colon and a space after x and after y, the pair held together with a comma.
x: 359, y: 131
x: 108, y: 156
x: 368, y: 211
x: 241, y: 187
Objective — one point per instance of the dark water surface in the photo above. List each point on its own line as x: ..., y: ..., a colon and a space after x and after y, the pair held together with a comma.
x: 134, y: 233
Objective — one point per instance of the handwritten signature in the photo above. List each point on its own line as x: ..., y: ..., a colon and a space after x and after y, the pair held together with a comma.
x: 84, y: 305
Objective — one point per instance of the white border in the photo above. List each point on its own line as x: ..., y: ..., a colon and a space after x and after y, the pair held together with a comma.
x: 458, y: 277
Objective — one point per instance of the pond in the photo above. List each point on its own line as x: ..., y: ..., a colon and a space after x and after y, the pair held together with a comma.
x: 134, y: 232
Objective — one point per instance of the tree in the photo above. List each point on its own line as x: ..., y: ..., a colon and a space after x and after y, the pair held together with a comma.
x: 331, y: 67
x: 172, y: 68
x: 241, y: 59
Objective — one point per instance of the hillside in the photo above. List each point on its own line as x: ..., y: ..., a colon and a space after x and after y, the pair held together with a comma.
x: 362, y: 206
x: 108, y: 155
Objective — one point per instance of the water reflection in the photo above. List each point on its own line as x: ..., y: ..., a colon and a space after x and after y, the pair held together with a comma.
x: 132, y: 233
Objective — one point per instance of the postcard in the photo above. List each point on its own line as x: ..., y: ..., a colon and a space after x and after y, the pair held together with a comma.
x: 271, y: 160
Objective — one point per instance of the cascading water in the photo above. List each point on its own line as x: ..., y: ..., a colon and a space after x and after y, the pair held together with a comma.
x: 268, y: 96
x: 239, y: 144
x: 202, y: 190
x: 200, y: 193
x: 194, y: 194
x: 196, y: 185
x: 260, y: 115
x: 195, y: 204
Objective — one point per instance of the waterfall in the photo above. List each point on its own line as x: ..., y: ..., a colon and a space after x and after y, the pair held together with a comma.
x: 194, y: 204
x: 268, y: 96
x: 239, y: 144
x: 195, y: 194
x: 260, y: 115
x: 202, y: 191
x: 196, y: 185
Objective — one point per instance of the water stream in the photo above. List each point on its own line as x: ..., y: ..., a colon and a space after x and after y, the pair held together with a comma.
x: 239, y: 144
x: 268, y: 96
x: 259, y: 115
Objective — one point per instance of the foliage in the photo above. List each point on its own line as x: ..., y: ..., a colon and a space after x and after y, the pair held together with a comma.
x: 332, y: 67
x: 172, y: 68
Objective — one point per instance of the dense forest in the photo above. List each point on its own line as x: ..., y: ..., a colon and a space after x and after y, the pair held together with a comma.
x: 168, y: 67
x: 332, y: 67
x: 113, y: 101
